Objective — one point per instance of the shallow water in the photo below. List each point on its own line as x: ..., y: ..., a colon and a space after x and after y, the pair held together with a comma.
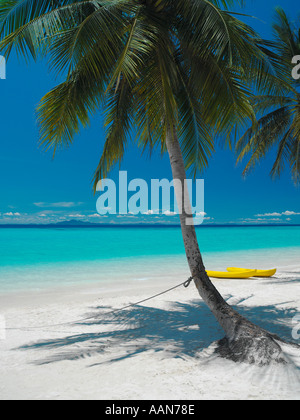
x: 34, y: 258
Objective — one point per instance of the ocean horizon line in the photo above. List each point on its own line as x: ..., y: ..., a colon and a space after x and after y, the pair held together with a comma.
x: 136, y: 225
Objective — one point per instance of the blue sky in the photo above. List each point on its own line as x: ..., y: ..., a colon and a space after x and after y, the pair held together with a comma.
x: 37, y: 189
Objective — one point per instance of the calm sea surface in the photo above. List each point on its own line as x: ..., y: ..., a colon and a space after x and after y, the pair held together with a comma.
x: 34, y: 258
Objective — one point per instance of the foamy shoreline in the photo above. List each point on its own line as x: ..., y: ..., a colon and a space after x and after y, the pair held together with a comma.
x: 162, y: 349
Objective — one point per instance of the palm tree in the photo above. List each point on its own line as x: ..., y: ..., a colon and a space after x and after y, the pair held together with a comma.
x: 179, y: 71
x: 279, y: 125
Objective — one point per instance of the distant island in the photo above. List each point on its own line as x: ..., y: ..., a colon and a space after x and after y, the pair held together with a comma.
x: 73, y: 223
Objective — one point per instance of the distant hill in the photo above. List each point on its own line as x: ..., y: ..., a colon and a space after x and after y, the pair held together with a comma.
x: 75, y: 223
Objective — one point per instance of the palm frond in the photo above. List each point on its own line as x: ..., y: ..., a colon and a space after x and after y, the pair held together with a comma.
x: 141, y: 40
x: 258, y: 140
x: 27, y: 24
x: 95, y: 42
x: 189, y: 65
x: 118, y: 122
x: 288, y: 41
x: 295, y: 146
x: 295, y: 160
x: 283, y: 155
x: 66, y: 108
x: 263, y: 103
x: 50, y: 23
x: 194, y: 132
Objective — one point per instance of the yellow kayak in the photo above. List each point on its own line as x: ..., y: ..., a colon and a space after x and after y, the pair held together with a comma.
x: 259, y: 273
x: 241, y: 274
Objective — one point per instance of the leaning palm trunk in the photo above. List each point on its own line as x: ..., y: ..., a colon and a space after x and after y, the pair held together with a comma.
x: 244, y: 341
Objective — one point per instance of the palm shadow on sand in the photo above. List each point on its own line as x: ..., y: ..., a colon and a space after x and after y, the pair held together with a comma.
x: 184, y: 330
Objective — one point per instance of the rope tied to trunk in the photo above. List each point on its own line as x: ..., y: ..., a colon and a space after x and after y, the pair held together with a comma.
x: 188, y: 282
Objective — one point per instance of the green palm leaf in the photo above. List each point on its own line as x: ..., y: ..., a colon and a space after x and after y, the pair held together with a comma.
x: 118, y: 123
x: 151, y: 65
x: 280, y: 125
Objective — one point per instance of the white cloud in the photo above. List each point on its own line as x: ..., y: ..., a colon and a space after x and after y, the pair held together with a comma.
x: 270, y: 220
x: 259, y: 220
x: 48, y: 213
x: 62, y: 204
x: 269, y: 215
x: 275, y: 214
x: 10, y: 214
x: 201, y: 213
x: 169, y: 213
x: 149, y: 212
x: 290, y: 213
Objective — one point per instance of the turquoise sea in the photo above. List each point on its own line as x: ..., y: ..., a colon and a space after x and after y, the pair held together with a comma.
x: 39, y: 258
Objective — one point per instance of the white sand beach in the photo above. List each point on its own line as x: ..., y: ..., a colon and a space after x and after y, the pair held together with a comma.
x: 163, y: 349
